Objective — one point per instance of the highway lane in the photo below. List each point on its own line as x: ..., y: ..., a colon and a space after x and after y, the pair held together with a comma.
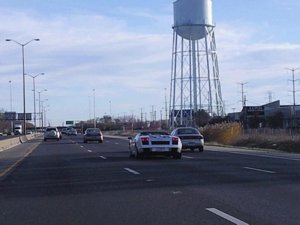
x: 69, y: 182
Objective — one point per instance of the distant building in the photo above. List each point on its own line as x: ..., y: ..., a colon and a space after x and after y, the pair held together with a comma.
x: 271, y: 115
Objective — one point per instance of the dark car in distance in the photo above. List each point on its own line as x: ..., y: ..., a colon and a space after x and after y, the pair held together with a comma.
x: 190, y: 137
x: 93, y: 134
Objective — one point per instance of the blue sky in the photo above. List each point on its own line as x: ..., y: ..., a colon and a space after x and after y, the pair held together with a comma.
x: 122, y: 49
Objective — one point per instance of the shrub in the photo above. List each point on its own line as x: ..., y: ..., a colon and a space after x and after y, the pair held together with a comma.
x: 280, y: 142
x: 224, y: 133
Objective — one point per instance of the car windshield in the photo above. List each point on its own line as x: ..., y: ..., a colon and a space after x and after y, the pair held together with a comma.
x: 187, y: 131
x: 51, y: 129
x: 94, y: 130
x: 154, y: 133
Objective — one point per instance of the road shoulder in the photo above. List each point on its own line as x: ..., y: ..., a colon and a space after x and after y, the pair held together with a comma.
x: 12, y: 157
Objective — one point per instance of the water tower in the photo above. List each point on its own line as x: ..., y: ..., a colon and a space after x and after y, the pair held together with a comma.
x: 195, y: 83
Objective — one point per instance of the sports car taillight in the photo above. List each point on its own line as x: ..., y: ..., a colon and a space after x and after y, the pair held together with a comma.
x: 145, y: 140
x: 174, y: 140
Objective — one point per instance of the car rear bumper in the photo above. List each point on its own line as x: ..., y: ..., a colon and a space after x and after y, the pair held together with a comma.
x: 192, y: 144
x: 51, y: 137
x: 93, y: 138
x: 160, y: 151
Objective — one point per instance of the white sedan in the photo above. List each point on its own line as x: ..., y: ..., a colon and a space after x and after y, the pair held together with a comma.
x: 154, y: 143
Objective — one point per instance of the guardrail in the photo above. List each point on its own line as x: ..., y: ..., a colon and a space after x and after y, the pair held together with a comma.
x: 12, y: 142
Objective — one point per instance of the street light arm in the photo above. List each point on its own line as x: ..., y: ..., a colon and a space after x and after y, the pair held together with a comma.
x: 14, y: 41
x: 292, y: 69
x: 34, y: 76
x: 35, y: 39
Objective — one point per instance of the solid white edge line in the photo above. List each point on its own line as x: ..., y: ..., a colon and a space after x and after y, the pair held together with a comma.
x: 256, y: 155
x: 227, y: 216
x: 259, y: 170
x: 132, y: 171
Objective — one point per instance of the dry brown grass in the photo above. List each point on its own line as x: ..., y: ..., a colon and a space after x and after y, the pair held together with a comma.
x: 225, y: 133
x: 285, y: 143
x: 232, y: 134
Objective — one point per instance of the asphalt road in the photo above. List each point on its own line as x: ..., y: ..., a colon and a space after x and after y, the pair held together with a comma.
x: 71, y: 183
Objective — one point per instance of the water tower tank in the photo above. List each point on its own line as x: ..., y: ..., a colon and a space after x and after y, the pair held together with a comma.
x: 191, y: 17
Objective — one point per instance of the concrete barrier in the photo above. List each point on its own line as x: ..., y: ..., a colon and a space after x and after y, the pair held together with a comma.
x: 9, y: 143
x: 12, y: 142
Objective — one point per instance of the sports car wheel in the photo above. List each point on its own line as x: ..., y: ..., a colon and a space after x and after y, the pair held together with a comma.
x: 138, y: 155
x: 130, y: 154
x: 177, y: 156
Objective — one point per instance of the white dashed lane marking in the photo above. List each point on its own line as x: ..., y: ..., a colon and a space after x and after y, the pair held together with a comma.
x: 90, y: 151
x: 227, y: 216
x: 259, y: 170
x: 176, y: 192
x: 102, y: 157
x: 132, y: 171
x: 187, y: 157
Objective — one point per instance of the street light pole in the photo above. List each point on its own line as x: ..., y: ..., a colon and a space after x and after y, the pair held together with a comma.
x: 40, y: 106
x: 110, y: 109
x: 43, y: 110
x: 94, y: 109
x: 34, y: 105
x: 10, y: 97
x: 23, y: 62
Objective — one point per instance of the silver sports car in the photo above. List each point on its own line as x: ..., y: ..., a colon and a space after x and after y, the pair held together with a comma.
x: 154, y: 143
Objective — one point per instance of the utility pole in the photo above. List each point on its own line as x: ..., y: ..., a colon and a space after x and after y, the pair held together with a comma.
x: 132, y: 119
x: 270, y: 96
x: 141, y: 115
x: 294, y: 93
x: 152, y: 114
x: 243, y: 96
x: 293, y: 80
